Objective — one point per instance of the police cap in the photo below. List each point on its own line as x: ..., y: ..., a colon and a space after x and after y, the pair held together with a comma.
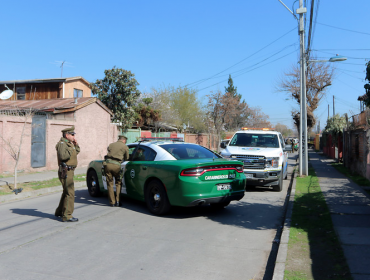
x: 69, y: 130
x: 120, y: 137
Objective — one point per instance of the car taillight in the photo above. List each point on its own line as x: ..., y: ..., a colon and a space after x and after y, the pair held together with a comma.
x: 192, y: 172
x: 200, y: 171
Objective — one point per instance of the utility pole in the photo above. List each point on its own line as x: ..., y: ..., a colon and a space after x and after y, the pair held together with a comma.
x: 328, y: 112
x: 333, y: 107
x: 303, y: 154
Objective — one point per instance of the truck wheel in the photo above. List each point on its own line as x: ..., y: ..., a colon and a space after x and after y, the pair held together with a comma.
x: 279, y: 186
x: 286, y: 175
x: 156, y: 198
x: 93, y: 184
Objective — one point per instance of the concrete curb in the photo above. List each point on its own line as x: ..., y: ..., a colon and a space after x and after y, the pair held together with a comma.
x: 284, y: 240
x: 30, y: 194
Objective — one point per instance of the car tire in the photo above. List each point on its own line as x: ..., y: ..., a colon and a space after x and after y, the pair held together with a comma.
x: 220, y: 205
x: 279, y: 186
x: 286, y: 175
x: 156, y: 198
x: 93, y: 184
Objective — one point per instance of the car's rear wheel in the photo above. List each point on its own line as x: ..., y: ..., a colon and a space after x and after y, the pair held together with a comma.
x: 279, y: 186
x: 93, y: 183
x: 220, y: 205
x: 156, y: 198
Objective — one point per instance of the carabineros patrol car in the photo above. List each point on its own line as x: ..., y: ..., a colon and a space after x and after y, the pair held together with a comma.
x: 170, y: 173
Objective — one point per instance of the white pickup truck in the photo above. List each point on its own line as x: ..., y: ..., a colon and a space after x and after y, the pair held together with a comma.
x: 264, y: 154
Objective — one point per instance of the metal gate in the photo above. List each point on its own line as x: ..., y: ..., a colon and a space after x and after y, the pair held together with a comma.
x: 38, y: 141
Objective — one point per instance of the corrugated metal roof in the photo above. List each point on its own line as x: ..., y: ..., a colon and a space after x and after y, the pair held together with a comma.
x: 56, y: 105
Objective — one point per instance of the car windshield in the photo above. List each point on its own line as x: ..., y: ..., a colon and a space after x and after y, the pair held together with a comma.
x: 255, y: 140
x: 188, y: 151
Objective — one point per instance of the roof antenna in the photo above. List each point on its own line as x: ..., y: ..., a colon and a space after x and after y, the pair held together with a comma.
x: 61, y: 66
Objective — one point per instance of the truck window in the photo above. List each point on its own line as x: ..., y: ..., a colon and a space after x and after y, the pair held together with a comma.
x: 255, y: 140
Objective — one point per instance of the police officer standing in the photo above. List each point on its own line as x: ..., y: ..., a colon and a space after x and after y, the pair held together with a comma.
x: 117, y: 153
x: 67, y: 150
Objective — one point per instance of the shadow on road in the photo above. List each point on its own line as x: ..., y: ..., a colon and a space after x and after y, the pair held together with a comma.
x: 34, y: 213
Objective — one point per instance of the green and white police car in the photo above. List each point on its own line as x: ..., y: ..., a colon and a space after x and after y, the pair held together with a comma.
x: 167, y: 173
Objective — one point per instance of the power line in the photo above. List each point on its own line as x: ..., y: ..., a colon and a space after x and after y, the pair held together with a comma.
x: 243, y: 69
x: 349, y: 30
x: 203, y: 80
x: 247, y: 71
x: 351, y: 75
x: 362, y: 72
x: 341, y: 49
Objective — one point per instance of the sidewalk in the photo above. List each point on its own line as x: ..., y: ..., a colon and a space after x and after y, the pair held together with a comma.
x: 41, y: 176
x: 349, y: 206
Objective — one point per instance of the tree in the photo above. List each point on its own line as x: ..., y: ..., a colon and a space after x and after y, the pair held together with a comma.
x: 179, y: 106
x: 367, y: 85
x: 240, y: 114
x: 145, y: 114
x: 257, y: 118
x: 231, y: 89
x: 319, y: 78
x: 118, y: 91
x: 335, y: 125
x: 14, y: 147
x: 284, y: 130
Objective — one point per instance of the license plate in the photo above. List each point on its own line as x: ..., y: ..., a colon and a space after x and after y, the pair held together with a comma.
x: 222, y: 187
x: 249, y: 175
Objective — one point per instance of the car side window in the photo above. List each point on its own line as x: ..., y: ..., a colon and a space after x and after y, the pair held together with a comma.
x: 144, y: 154
x: 131, y: 149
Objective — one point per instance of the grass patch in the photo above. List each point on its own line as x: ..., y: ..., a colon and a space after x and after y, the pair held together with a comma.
x: 314, y: 250
x: 30, y: 186
x: 358, y: 179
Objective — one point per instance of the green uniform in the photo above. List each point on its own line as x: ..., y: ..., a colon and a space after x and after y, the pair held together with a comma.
x: 117, y: 153
x: 67, y: 153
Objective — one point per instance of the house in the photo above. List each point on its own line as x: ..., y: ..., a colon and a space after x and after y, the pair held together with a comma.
x: 91, y: 118
x: 47, y: 88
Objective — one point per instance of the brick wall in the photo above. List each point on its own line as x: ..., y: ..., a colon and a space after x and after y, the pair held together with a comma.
x: 356, y: 152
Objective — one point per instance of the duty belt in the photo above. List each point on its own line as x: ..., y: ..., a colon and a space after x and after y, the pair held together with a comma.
x: 71, y: 167
x: 108, y: 160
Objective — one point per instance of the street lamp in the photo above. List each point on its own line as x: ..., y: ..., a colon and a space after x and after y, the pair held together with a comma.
x: 332, y: 59
x: 303, y: 147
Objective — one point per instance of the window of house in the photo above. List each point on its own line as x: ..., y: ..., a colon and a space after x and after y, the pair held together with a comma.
x: 77, y: 92
x: 21, y: 93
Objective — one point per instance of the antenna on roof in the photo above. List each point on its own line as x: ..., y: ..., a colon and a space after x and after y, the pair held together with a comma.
x: 6, y: 94
x: 61, y: 66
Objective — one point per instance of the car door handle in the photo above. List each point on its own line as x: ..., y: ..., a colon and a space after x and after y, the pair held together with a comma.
x: 144, y: 167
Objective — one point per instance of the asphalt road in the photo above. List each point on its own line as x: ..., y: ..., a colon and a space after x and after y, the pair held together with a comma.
x: 130, y: 243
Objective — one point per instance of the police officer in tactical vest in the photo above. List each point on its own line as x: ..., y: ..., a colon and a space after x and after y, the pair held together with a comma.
x: 67, y: 150
x: 117, y: 153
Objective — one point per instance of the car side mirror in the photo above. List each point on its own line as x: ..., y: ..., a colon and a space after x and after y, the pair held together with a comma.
x: 287, y: 148
x: 223, y: 145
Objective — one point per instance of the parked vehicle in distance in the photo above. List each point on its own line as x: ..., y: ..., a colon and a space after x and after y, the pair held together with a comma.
x: 264, y: 154
x: 166, y: 173
x: 226, y: 142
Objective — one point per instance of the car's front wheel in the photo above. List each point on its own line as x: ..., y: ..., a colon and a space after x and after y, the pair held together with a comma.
x: 93, y: 183
x: 279, y: 186
x: 156, y: 198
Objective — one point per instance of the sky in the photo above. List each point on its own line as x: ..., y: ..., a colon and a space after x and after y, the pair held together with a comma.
x: 193, y: 43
